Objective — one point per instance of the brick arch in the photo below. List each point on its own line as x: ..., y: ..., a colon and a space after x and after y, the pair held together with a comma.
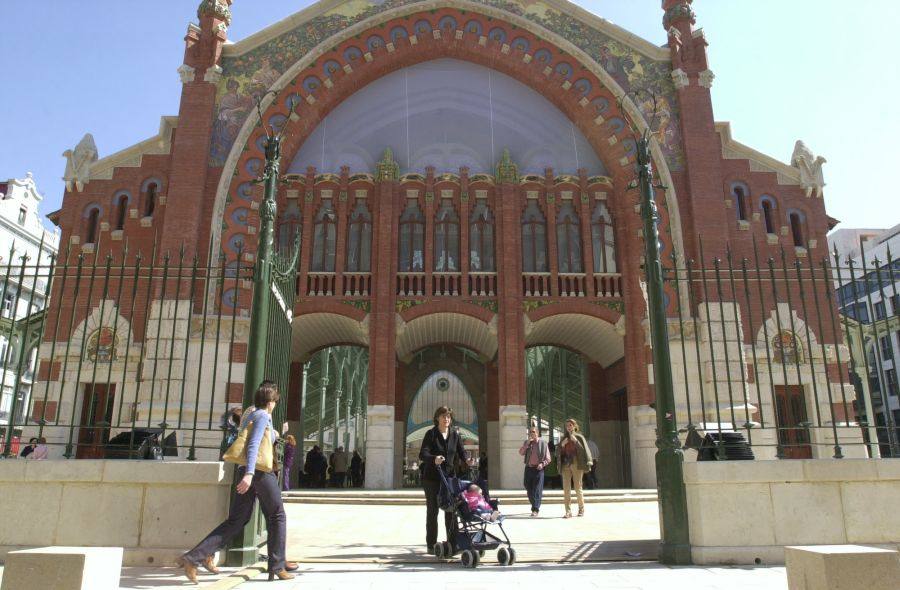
x: 325, y: 305
x: 446, y: 327
x: 611, y: 143
x: 432, y: 307
x: 600, y: 312
x: 316, y: 330
x: 590, y: 335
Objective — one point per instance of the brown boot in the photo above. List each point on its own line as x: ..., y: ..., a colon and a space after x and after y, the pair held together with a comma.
x: 210, y: 565
x: 190, y: 570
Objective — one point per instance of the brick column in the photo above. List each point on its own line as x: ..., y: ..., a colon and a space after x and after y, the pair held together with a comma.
x: 187, y: 184
x: 380, y: 427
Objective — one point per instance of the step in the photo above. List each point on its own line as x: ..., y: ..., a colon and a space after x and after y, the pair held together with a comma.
x: 413, y: 497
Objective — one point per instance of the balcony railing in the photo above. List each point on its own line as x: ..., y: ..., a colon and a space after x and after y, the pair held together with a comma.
x: 536, y: 284
x: 358, y: 284
x: 410, y: 284
x: 482, y: 284
x: 320, y: 284
x: 608, y: 285
x: 446, y: 284
x: 571, y: 284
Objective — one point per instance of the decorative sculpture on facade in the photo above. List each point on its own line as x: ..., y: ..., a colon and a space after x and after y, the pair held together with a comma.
x: 79, y: 162
x: 810, y: 166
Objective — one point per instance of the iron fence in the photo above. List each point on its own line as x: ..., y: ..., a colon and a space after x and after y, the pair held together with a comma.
x: 131, y: 349
x: 769, y: 363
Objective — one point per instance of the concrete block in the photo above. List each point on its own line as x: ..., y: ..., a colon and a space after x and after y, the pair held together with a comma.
x: 29, y: 527
x: 868, y: 515
x: 115, y: 514
x: 179, y: 516
x: 807, y: 513
x: 841, y: 567
x: 63, y: 568
x: 717, y: 513
x: 841, y: 470
x: 12, y: 471
x: 83, y: 470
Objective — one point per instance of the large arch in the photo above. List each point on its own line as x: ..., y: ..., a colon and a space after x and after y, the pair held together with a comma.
x: 612, y: 143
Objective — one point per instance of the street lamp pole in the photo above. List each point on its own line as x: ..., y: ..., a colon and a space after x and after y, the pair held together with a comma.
x: 675, y: 548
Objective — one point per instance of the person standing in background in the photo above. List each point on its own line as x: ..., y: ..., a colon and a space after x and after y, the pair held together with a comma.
x: 537, y: 457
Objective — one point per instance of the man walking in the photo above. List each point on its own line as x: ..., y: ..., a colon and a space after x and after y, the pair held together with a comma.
x: 537, y: 457
x: 340, y: 463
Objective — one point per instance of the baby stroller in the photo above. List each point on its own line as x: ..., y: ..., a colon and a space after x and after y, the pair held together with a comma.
x: 472, y: 538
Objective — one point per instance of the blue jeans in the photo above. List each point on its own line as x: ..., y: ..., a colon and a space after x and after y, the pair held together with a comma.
x: 534, y: 485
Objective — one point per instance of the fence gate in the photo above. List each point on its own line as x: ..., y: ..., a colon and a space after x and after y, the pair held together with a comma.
x: 269, y: 346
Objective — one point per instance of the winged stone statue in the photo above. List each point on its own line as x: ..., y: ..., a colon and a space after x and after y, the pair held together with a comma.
x: 810, y: 166
x: 79, y: 161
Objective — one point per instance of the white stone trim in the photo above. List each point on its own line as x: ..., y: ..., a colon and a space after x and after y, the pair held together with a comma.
x: 213, y: 74
x: 706, y: 79
x: 186, y: 73
x: 131, y: 157
x: 680, y: 79
x: 759, y: 162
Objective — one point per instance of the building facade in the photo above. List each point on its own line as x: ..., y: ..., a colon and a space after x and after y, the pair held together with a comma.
x: 868, y: 293
x: 22, y: 234
x: 459, y: 175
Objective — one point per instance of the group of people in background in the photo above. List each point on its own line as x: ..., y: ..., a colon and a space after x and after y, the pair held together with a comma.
x: 338, y: 470
x: 572, y: 461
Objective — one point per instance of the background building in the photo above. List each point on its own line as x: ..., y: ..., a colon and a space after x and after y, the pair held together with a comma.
x: 459, y: 180
x: 22, y: 234
x: 868, y: 292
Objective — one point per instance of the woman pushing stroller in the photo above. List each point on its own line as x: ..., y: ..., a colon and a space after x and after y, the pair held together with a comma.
x: 442, y: 449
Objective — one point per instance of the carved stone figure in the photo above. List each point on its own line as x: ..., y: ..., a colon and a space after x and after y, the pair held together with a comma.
x: 810, y: 166
x: 78, y: 163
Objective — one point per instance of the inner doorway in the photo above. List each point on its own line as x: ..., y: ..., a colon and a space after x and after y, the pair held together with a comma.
x: 96, y: 417
x: 443, y: 375
x: 793, y: 424
x: 332, y: 428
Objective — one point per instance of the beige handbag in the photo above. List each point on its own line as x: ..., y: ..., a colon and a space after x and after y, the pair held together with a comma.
x: 237, y: 452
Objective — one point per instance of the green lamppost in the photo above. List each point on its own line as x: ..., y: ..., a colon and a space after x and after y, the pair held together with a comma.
x: 244, y: 550
x: 675, y: 548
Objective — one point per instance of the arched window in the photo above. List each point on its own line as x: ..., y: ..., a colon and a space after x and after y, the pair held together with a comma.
x: 359, y: 246
x: 740, y: 196
x: 288, y: 227
x: 412, y: 238
x: 121, y: 211
x: 481, y: 239
x: 324, y: 234
x: 797, y: 222
x: 150, y: 196
x: 568, y: 240
x: 534, y: 239
x: 768, y: 210
x: 92, y: 225
x: 602, y: 240
x: 446, y: 238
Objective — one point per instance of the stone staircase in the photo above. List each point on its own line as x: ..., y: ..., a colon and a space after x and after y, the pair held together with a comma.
x: 414, y: 497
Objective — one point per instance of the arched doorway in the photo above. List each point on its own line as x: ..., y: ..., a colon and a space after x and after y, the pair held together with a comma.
x: 440, y: 375
x: 332, y: 398
x: 441, y: 388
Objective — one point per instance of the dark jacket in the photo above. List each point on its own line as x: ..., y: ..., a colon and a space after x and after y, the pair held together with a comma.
x: 451, y: 449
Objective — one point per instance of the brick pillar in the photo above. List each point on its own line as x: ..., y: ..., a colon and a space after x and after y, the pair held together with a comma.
x: 550, y: 214
x: 187, y: 183
x: 702, y: 148
x: 380, y: 427
x: 511, y: 419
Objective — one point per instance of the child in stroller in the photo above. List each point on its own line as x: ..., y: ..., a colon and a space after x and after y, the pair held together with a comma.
x: 478, y: 505
x: 475, y: 513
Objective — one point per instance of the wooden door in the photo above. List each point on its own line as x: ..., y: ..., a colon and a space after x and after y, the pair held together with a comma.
x: 793, y: 435
x: 96, y: 417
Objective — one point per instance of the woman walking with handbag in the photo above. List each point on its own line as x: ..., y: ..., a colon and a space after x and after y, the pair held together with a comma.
x: 253, y: 452
x: 574, y: 459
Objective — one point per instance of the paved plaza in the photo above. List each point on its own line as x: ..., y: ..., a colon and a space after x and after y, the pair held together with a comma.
x: 376, y: 546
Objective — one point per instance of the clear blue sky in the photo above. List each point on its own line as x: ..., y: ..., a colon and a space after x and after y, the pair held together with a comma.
x: 824, y: 71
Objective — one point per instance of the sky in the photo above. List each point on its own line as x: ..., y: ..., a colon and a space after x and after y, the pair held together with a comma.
x: 818, y: 70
